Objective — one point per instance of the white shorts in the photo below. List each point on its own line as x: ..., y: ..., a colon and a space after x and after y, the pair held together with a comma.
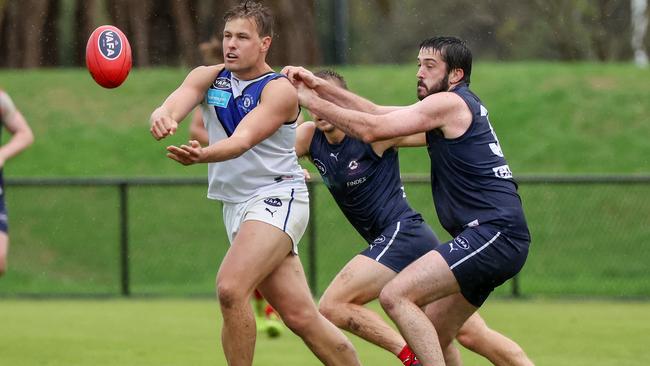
x: 287, y: 209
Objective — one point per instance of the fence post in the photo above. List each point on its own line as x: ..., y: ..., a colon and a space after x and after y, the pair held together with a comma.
x: 124, y: 239
x: 515, y: 287
x: 313, y: 275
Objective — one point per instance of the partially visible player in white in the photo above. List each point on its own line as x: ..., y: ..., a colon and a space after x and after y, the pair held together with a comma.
x: 21, y: 137
x: 250, y: 113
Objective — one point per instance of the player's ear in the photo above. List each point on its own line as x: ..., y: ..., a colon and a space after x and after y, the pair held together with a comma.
x: 266, y: 43
x: 456, y: 75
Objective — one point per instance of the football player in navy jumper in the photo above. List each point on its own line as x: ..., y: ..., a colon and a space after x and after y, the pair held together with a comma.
x: 473, y: 188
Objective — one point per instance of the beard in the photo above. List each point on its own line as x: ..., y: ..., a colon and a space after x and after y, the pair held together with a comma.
x: 440, y: 86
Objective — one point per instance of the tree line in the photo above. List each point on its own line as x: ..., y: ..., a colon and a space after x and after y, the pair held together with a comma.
x: 49, y: 33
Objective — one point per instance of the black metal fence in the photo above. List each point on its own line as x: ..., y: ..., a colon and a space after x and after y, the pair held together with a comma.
x: 90, y: 236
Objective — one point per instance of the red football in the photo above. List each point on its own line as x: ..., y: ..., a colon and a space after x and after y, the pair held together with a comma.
x: 108, y: 56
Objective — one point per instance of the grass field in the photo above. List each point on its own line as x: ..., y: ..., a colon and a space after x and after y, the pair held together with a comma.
x: 551, y: 118
x: 186, y: 332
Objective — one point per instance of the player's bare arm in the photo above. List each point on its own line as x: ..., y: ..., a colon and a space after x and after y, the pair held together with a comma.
x: 164, y: 120
x: 198, y: 131
x: 415, y: 140
x: 278, y: 104
x: 444, y: 111
x: 15, y: 123
x: 304, y: 135
x: 333, y: 93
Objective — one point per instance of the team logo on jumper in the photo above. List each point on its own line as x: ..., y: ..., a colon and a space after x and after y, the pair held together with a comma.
x: 247, y: 102
x: 275, y: 202
x: 320, y: 166
x: 353, y: 165
x: 110, y: 44
x: 458, y: 243
x: 380, y: 239
x: 502, y: 171
x: 221, y: 83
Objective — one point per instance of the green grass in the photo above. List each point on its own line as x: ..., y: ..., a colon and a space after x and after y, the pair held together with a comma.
x: 550, y: 117
x: 186, y: 332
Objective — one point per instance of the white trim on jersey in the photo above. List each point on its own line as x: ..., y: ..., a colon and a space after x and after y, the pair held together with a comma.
x: 389, y: 243
x: 470, y: 255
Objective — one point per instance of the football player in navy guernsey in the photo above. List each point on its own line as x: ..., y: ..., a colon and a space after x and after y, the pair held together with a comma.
x: 364, y: 180
x: 474, y: 193
x: 250, y: 114
x: 21, y: 138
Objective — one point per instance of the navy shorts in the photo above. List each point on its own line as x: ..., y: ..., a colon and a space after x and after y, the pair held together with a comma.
x: 4, y: 226
x: 482, y: 258
x: 402, y: 243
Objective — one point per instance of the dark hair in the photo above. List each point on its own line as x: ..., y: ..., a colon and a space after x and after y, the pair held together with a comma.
x: 329, y: 74
x: 260, y: 14
x: 454, y: 52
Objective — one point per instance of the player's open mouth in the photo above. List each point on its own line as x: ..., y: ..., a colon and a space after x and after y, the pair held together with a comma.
x: 231, y: 56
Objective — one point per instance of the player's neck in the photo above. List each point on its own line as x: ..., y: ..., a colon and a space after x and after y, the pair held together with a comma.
x: 253, y: 72
x: 335, y: 136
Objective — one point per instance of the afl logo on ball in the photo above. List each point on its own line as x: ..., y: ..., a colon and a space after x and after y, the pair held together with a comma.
x: 109, y: 44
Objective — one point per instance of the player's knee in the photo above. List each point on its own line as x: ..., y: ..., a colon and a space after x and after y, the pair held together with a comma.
x: 229, y: 294
x: 328, y: 309
x: 467, y: 339
x: 388, y: 299
x: 299, y: 321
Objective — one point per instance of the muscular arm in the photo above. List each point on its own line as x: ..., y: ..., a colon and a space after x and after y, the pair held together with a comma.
x: 333, y: 93
x: 197, y: 128
x: 304, y: 135
x: 15, y: 123
x: 346, y: 99
x: 278, y: 105
x: 446, y: 111
x: 164, y: 120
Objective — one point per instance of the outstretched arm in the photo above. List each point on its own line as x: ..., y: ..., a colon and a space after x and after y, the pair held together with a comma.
x: 446, y: 111
x: 333, y: 93
x: 279, y: 104
x: 15, y: 123
x: 164, y: 120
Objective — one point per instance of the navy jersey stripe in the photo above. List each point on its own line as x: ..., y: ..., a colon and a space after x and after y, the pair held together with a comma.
x: 286, y: 219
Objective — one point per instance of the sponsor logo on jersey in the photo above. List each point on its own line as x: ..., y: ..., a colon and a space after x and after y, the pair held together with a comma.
x: 271, y: 212
x: 356, y: 182
x: 353, y: 165
x: 218, y: 98
x: 320, y: 166
x: 221, y: 83
x: 275, y: 202
x: 502, y: 171
x: 459, y: 243
x: 281, y: 178
x: 380, y: 239
x: 335, y: 156
x: 110, y: 44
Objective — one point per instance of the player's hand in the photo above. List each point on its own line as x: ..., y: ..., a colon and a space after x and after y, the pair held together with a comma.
x: 162, y: 125
x: 186, y: 154
x: 298, y: 74
x: 305, y: 94
x: 307, y: 174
